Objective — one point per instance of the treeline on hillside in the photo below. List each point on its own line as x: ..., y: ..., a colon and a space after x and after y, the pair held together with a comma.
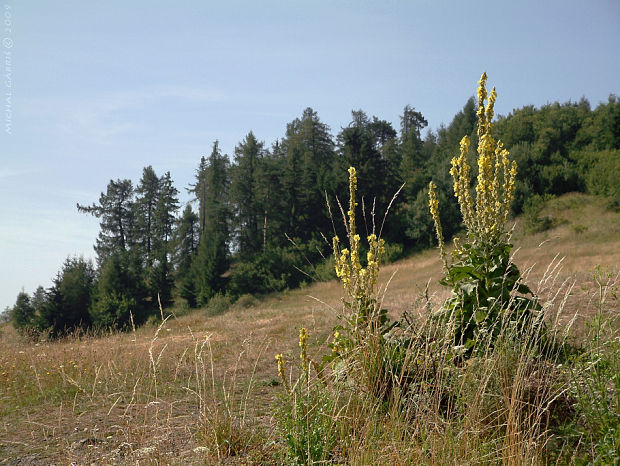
x: 259, y: 222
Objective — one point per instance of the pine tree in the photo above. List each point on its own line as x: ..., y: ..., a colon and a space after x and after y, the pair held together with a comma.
x: 208, y: 266
x: 361, y: 147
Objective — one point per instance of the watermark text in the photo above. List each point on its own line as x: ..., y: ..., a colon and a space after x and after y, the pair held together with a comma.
x: 7, y: 75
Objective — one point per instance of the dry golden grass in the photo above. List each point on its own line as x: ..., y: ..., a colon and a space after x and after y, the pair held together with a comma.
x: 150, y: 395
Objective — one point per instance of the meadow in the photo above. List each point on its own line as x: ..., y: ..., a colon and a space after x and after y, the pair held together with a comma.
x: 203, y: 387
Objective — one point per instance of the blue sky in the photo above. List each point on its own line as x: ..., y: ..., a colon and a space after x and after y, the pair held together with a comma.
x: 99, y: 90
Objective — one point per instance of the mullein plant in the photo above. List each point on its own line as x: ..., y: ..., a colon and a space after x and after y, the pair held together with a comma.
x: 360, y: 283
x: 487, y: 290
x: 363, y: 348
x: 305, y: 417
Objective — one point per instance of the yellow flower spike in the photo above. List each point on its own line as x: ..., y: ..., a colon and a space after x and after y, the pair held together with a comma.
x: 370, y: 255
x: 495, y: 184
x: 490, y: 105
x: 282, y: 370
x: 335, y: 344
x: 358, y: 282
x: 433, y: 203
x: 352, y: 203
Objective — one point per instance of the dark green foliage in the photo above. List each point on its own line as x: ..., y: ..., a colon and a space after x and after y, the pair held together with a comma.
x: 363, y: 147
x: 487, y: 295
x: 306, y: 175
x: 238, y: 239
x: 160, y: 279
x: 115, y: 209
x: 324, y: 271
x: 420, y: 229
x: 23, y: 313
x: 75, y: 286
x: 186, y: 242
x: 144, y: 207
x: 61, y: 309
x: 218, y: 304
x: 200, y: 274
x: 601, y: 169
x: 414, y: 157
x: 272, y: 270
x: 243, y: 191
x: 550, y: 144
x: 121, y: 293
x: 207, y: 269
x: 532, y: 209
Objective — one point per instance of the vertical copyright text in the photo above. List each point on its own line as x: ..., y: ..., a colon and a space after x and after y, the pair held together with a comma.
x: 7, y: 75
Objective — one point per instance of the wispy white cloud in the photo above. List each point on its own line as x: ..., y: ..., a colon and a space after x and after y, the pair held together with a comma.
x: 7, y: 172
x: 101, y: 118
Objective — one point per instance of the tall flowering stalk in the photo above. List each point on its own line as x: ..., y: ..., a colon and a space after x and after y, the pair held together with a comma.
x: 363, y: 347
x: 481, y: 274
x: 495, y: 185
x: 359, y: 282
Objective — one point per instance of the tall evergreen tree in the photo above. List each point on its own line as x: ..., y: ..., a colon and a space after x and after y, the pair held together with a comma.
x: 243, y: 194
x: 115, y: 209
x: 211, y: 259
x: 208, y: 266
x: 186, y: 239
x: 147, y: 194
x: 272, y: 196
x: 361, y: 147
x: 217, y: 186
x: 23, y: 312
x: 414, y: 159
x: 67, y: 303
x: 120, y: 294
x: 199, y: 190
x: 308, y: 174
x: 161, y: 281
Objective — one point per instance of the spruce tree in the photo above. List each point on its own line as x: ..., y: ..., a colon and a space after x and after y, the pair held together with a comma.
x: 147, y: 193
x: 199, y: 190
x: 23, y: 312
x: 308, y: 175
x: 160, y: 274
x: 244, y: 196
x: 186, y: 239
x: 120, y: 293
x: 413, y: 159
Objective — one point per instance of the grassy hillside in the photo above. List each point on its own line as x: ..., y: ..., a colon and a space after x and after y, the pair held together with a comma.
x: 202, y: 387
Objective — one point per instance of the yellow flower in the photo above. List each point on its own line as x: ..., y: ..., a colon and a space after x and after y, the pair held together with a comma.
x: 358, y: 282
x: 495, y: 182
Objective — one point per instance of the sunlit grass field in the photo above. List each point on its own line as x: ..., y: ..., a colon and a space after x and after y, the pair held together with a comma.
x: 201, y: 388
